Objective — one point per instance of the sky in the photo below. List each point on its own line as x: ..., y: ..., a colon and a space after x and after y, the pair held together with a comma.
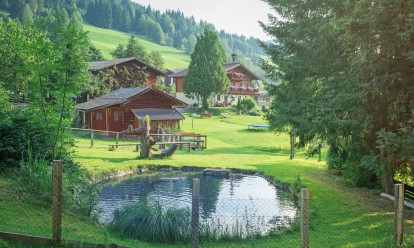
x: 233, y: 16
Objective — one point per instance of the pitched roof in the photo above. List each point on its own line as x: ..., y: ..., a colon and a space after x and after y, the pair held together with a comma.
x: 99, y: 65
x: 120, y: 96
x: 158, y: 114
x: 180, y: 73
x: 227, y: 67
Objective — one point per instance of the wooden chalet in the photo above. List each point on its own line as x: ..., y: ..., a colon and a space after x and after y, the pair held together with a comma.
x: 131, y: 64
x: 125, y: 106
x: 241, y: 85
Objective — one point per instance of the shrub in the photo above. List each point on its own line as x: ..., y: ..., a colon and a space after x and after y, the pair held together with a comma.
x: 16, y: 129
x: 152, y: 223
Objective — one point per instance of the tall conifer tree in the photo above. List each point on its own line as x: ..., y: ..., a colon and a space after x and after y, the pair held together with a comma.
x: 205, y: 73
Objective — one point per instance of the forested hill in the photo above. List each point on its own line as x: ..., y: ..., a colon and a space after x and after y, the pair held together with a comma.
x: 171, y: 28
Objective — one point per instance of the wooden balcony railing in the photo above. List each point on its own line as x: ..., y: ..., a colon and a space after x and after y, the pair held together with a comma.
x: 244, y: 90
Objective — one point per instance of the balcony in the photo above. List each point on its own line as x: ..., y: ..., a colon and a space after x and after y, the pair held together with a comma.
x: 244, y: 90
x: 234, y: 76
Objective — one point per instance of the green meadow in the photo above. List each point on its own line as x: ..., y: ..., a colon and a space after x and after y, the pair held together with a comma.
x: 340, y: 215
x: 107, y: 40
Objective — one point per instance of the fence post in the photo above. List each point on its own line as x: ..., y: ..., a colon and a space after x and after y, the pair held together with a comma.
x: 117, y: 139
x: 399, y: 213
x: 91, y: 138
x: 304, y: 218
x: 195, y: 213
x: 57, y: 201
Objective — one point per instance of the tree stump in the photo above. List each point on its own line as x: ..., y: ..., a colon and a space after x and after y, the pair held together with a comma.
x: 146, y: 140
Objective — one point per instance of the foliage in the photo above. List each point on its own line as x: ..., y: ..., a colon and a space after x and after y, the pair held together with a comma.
x: 336, y: 62
x: 94, y: 53
x: 16, y: 130
x: 33, y: 180
x: 113, y: 78
x: 59, y: 71
x: 4, y: 102
x: 152, y: 223
x: 205, y: 73
x: 135, y: 49
x: 247, y: 105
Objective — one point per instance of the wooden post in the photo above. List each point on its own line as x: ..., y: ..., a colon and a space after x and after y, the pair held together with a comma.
x: 195, y: 213
x: 83, y: 119
x: 292, y: 146
x: 304, y: 218
x: 57, y: 201
x: 91, y: 138
x: 117, y: 139
x: 106, y: 122
x: 399, y: 213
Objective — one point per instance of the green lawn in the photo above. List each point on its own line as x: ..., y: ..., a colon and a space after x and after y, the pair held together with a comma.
x: 341, y: 216
x: 107, y: 40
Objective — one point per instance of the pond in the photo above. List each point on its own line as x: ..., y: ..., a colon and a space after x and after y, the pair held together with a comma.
x: 239, y: 203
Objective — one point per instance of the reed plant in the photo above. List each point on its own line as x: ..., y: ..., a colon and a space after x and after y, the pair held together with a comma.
x: 152, y: 222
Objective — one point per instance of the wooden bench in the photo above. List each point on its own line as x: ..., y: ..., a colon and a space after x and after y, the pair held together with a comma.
x: 188, y: 143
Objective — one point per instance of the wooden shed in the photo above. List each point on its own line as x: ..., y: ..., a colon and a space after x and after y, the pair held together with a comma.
x: 125, y: 106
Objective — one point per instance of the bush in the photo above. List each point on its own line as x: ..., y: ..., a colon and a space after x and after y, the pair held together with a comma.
x: 16, y: 130
x: 152, y: 223
x: 247, y: 105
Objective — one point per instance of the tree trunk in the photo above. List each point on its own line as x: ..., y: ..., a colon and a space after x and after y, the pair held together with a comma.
x: 387, y: 181
x: 167, y: 153
x: 146, y: 141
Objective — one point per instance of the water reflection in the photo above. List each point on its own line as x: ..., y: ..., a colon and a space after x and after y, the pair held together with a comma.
x: 233, y: 200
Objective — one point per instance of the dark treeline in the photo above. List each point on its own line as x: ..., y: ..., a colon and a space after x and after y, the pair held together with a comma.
x: 171, y: 28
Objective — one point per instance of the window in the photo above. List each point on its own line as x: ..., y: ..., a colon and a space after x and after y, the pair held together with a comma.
x: 98, y: 116
x: 116, y: 116
x: 218, y: 97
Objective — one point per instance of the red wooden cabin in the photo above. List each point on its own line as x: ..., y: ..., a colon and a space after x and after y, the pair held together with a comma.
x: 123, y: 107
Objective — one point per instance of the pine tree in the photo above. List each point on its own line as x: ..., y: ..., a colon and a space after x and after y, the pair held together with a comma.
x: 205, y: 73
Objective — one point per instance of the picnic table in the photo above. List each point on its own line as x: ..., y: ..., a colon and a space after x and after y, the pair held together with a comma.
x: 206, y: 114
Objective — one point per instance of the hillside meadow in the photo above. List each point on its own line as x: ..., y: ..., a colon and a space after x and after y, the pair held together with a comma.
x: 341, y: 216
x: 107, y: 40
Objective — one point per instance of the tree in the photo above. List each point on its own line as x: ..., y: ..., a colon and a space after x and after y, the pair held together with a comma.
x: 135, y: 49
x: 155, y: 32
x: 190, y: 44
x: 15, y: 60
x: 27, y: 15
x: 132, y: 49
x: 205, y: 72
x: 60, y: 71
x: 345, y: 78
x: 50, y: 70
x: 94, y: 53
x: 156, y: 60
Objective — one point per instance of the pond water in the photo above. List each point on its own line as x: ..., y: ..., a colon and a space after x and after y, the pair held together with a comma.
x: 237, y: 203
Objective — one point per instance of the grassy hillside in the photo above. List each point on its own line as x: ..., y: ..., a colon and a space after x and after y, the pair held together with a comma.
x: 106, y: 40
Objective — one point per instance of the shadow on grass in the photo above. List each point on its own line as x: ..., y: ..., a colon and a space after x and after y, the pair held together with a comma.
x: 254, y: 130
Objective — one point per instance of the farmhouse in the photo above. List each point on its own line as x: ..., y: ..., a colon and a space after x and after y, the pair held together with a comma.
x: 126, y: 71
x: 241, y: 85
x: 125, y: 106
